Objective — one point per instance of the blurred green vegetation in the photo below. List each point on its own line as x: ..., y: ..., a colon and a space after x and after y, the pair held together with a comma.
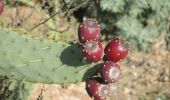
x: 13, y: 89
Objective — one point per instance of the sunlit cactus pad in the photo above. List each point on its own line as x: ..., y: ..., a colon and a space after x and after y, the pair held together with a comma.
x: 45, y: 61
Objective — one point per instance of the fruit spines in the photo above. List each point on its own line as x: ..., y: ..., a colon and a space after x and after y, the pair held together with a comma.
x: 116, y: 50
x: 93, y: 51
x: 97, y: 89
x: 89, y: 29
x: 110, y: 72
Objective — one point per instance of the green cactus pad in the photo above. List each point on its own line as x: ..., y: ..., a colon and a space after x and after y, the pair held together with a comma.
x: 44, y: 61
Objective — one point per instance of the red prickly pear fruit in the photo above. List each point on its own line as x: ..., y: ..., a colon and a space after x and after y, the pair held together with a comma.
x: 110, y: 72
x: 93, y: 51
x: 116, y: 50
x: 1, y: 6
x: 97, y: 89
x: 89, y: 29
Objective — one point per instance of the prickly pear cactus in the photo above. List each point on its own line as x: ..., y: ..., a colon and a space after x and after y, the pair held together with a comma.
x: 46, y: 61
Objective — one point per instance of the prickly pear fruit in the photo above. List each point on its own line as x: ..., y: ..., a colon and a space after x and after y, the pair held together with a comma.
x: 97, y: 89
x: 89, y: 29
x: 110, y: 72
x: 93, y: 51
x: 1, y: 6
x: 115, y: 50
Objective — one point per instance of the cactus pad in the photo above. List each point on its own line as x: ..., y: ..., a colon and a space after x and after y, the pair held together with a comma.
x: 45, y: 61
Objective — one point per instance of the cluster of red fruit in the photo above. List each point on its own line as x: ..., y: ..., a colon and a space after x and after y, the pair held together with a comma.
x: 89, y: 33
x: 1, y: 6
